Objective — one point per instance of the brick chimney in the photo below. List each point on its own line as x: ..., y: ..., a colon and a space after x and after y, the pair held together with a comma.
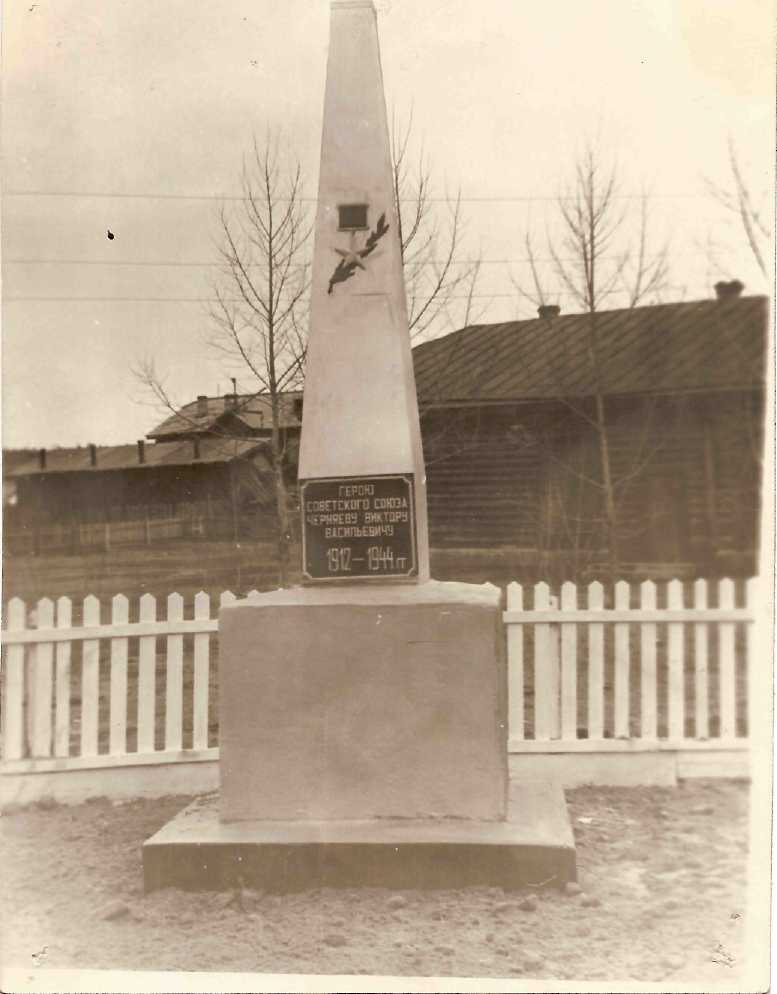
x: 548, y: 311
x: 92, y: 454
x: 728, y: 289
x: 141, y: 451
x: 42, y: 458
x: 202, y: 405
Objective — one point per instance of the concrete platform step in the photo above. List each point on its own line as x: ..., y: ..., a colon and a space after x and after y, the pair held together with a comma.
x: 535, y: 844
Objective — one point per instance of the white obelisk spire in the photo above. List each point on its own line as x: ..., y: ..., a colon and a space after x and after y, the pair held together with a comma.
x: 360, y: 411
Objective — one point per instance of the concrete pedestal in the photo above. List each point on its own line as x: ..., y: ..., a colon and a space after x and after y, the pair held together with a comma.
x: 354, y: 703
x: 363, y: 743
x: 533, y: 845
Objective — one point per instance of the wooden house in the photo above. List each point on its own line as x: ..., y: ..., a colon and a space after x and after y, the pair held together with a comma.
x: 513, y: 451
x: 231, y: 416
x: 212, y: 455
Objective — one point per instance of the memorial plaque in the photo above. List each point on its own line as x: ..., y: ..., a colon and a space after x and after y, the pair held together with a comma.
x: 358, y: 528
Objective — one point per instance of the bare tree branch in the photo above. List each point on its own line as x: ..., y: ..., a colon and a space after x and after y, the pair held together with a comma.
x: 431, y: 242
x: 737, y: 200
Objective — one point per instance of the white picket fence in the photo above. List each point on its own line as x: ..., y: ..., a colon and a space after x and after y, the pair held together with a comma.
x: 614, y: 673
x: 660, y: 662
x: 38, y: 685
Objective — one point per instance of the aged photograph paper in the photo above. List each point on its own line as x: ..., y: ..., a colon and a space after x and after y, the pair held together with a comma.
x: 388, y: 506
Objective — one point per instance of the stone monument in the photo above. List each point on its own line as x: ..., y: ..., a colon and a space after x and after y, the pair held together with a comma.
x: 363, y: 715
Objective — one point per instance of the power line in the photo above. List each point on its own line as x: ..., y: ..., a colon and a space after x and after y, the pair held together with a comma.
x: 183, y: 264
x: 236, y: 300
x: 507, y: 198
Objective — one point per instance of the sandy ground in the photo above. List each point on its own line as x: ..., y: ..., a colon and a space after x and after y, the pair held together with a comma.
x: 662, y: 872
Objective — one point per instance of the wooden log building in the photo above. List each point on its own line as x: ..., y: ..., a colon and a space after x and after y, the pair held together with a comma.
x: 512, y: 451
x: 210, y: 459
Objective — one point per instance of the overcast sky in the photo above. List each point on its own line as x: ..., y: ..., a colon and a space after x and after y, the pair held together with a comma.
x: 133, y: 116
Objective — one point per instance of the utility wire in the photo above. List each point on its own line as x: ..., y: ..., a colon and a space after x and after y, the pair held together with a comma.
x: 237, y: 300
x: 183, y: 264
x: 528, y: 198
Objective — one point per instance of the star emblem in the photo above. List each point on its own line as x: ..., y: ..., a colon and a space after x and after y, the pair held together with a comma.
x: 352, y: 258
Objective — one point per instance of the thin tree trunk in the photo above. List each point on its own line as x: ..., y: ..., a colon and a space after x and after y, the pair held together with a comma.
x: 602, y: 428
x: 610, y: 512
x: 233, y: 501
x: 283, y: 528
x: 711, y: 494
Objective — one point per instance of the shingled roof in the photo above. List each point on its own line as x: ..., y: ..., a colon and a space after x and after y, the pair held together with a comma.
x: 252, y: 410
x: 74, y: 460
x: 706, y: 345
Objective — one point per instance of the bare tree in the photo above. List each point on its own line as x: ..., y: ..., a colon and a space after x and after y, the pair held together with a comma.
x: 259, y: 309
x: 598, y: 253
x: 260, y: 313
x: 738, y: 201
x: 431, y: 231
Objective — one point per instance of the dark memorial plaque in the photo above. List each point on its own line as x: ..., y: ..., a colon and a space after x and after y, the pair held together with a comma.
x: 358, y: 528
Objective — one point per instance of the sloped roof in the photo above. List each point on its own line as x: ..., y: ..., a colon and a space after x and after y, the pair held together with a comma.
x: 14, y: 458
x: 211, y: 450
x: 695, y: 346
x: 253, y: 410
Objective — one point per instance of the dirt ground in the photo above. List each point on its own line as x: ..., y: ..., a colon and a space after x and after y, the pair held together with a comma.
x: 662, y: 873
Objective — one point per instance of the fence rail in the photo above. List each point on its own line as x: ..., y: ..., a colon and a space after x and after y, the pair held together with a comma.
x: 75, y: 538
x: 113, y: 683
x: 215, y: 520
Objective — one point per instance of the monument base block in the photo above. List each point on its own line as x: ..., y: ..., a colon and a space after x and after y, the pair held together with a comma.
x: 361, y: 702
x: 197, y: 851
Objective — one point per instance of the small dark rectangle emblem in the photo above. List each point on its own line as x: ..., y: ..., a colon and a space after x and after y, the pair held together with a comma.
x: 352, y: 217
x: 358, y: 527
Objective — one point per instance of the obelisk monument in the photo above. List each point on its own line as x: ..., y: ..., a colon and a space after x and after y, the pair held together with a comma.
x: 363, y: 715
x: 361, y: 469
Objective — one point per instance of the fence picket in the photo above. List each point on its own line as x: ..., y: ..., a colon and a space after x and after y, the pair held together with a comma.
x: 42, y: 683
x: 118, y: 711
x: 62, y: 693
x: 727, y: 663
x: 227, y: 597
x: 568, y: 665
x: 147, y: 678
x: 201, y: 674
x: 174, y: 688
x: 595, y: 664
x: 622, y: 663
x: 90, y: 680
x: 545, y: 702
x: 700, y: 653
x: 751, y: 601
x: 648, y: 710
x: 676, y: 649
x: 13, y: 687
x: 515, y: 674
